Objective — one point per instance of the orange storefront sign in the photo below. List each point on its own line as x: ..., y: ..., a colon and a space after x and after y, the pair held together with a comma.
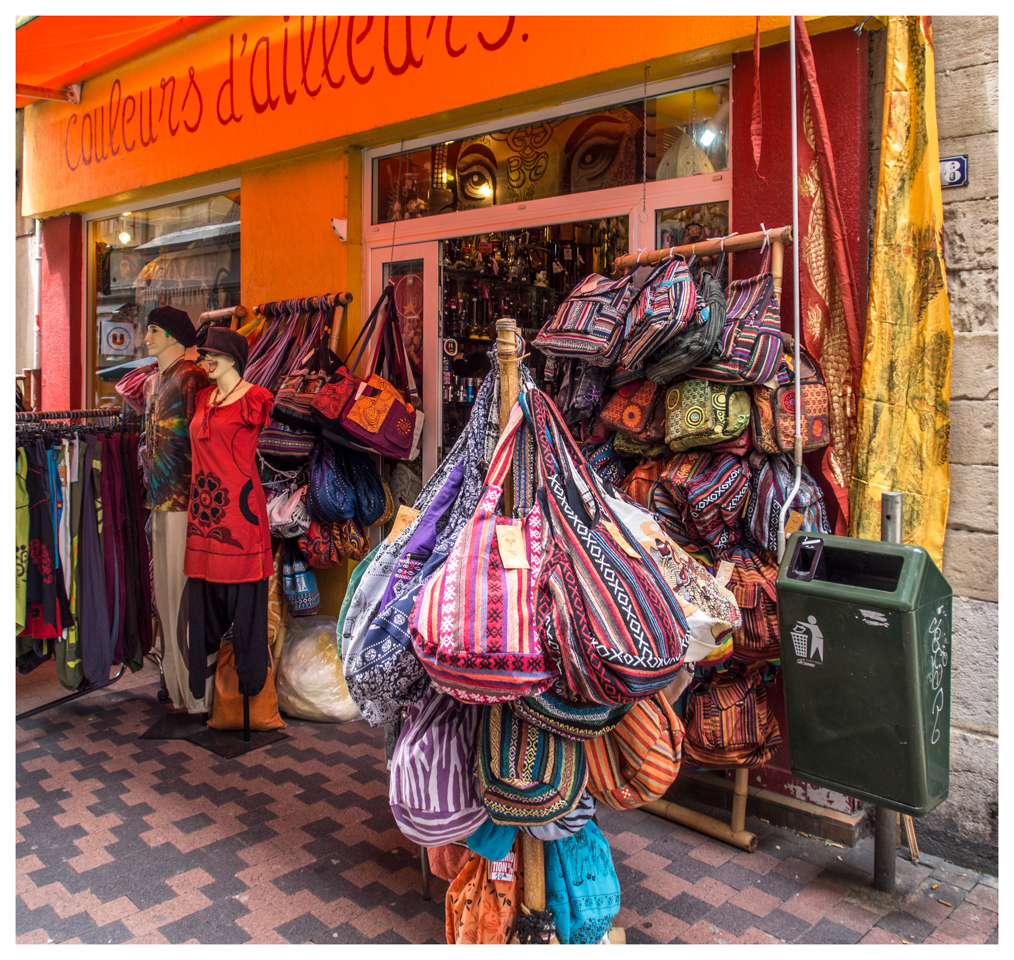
x: 247, y: 88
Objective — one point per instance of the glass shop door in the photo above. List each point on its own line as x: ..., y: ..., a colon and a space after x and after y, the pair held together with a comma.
x: 414, y: 270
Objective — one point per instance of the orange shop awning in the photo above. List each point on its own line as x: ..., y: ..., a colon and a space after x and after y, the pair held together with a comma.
x: 55, y: 52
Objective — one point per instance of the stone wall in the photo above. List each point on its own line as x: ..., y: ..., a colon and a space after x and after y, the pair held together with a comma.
x: 964, y: 827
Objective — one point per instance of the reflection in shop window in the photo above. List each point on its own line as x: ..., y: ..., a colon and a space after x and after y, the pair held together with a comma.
x: 185, y: 255
x: 679, y: 135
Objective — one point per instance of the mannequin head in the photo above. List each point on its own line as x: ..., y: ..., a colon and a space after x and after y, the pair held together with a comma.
x: 163, y: 346
x: 221, y: 370
x: 170, y: 333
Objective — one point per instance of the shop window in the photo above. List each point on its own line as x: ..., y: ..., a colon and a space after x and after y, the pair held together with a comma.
x: 677, y: 135
x: 185, y: 255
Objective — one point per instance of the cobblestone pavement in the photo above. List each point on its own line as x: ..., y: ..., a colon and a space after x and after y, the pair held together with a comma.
x: 122, y: 840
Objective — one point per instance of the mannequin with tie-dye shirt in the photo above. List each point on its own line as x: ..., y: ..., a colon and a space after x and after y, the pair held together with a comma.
x: 170, y: 398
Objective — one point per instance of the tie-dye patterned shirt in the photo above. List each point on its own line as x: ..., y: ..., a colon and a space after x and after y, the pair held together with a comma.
x: 169, y: 399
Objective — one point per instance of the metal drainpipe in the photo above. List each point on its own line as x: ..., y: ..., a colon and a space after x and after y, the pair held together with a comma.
x: 37, y: 352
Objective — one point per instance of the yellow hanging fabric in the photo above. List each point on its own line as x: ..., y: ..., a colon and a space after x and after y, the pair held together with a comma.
x: 903, y: 422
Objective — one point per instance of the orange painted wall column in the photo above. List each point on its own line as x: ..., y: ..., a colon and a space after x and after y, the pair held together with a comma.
x: 289, y: 250
x: 61, y: 317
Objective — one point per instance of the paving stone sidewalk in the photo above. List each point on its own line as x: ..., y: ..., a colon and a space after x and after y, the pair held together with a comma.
x: 122, y: 840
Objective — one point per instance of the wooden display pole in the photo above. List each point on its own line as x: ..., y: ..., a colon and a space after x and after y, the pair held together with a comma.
x: 507, y: 357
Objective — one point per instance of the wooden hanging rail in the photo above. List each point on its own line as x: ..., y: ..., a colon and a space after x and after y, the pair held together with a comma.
x: 232, y: 314
x: 706, y: 248
x: 274, y: 307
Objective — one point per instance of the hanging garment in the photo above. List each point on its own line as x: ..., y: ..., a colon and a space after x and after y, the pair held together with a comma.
x: 582, y: 889
x: 96, y: 652
x: 213, y: 608
x: 21, y: 526
x: 137, y: 629
x: 170, y: 400
x: 228, y: 538
x: 43, y: 578
x: 66, y: 454
x: 903, y: 420
x: 69, y: 665
x: 168, y: 548
x: 112, y: 543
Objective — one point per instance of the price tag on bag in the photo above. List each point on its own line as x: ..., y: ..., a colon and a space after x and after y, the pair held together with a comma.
x: 402, y: 519
x: 506, y: 868
x: 724, y: 573
x: 614, y: 532
x: 793, y: 522
x: 512, y: 546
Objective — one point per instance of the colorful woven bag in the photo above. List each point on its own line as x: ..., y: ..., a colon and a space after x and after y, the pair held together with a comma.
x: 753, y: 584
x: 710, y: 610
x: 571, y: 719
x: 639, y: 759
x: 589, y: 324
x: 527, y: 775
x: 709, y: 493
x: 638, y: 483
x: 474, y: 623
x: 699, y: 413
x: 728, y: 723
x: 299, y: 584
x: 629, y: 409
x: 605, y: 609
x: 774, y: 409
x: 433, y: 793
x: 700, y: 340
x: 659, y: 311
x: 481, y: 910
x: 751, y: 345
x: 330, y: 496
x: 771, y: 479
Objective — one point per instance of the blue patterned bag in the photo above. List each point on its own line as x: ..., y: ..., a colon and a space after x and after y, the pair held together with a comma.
x: 582, y: 889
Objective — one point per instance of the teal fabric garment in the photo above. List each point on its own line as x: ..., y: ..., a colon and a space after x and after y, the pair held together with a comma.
x: 582, y: 889
x: 492, y: 841
x: 354, y: 578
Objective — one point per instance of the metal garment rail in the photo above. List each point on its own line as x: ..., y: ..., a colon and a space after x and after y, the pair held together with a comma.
x: 92, y: 414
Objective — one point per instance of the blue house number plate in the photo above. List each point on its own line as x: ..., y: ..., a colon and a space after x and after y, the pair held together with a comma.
x: 954, y: 171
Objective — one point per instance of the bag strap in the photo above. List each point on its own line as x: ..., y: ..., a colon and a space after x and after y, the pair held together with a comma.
x: 367, y: 329
x: 500, y: 462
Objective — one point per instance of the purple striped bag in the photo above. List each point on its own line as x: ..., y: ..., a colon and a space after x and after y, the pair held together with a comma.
x: 473, y: 626
x: 659, y: 311
x: 589, y: 324
x: 604, y: 608
x: 434, y: 794
x: 751, y: 344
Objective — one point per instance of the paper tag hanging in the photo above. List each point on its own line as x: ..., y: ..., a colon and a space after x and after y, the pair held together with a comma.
x: 724, y: 574
x: 512, y: 547
x: 402, y: 519
x: 793, y: 522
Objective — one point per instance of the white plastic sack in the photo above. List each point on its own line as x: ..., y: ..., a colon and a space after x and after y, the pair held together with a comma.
x: 310, y: 682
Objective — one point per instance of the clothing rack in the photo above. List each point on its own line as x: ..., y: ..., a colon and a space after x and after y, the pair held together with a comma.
x: 92, y: 414
x: 776, y: 236
x: 340, y: 301
x: 38, y: 416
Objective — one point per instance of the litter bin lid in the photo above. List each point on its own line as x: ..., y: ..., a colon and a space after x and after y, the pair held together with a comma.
x: 892, y: 576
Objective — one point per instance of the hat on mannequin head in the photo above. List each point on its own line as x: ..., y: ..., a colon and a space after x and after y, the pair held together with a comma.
x: 176, y: 323
x: 228, y: 343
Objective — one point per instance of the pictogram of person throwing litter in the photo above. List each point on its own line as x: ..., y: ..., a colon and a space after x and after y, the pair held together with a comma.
x: 808, y: 639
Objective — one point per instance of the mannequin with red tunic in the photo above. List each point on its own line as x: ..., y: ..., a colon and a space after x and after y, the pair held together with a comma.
x: 228, y: 557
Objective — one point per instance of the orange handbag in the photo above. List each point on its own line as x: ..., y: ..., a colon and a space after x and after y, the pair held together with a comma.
x: 480, y: 909
x: 227, y: 706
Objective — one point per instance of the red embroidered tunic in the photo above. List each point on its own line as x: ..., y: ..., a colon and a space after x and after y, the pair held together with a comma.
x: 228, y: 540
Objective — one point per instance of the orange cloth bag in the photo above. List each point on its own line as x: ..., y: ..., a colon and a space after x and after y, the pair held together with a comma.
x: 480, y: 909
x: 227, y: 706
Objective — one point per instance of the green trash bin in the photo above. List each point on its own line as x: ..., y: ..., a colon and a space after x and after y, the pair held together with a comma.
x: 865, y: 632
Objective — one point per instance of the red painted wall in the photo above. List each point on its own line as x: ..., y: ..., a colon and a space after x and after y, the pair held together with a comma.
x: 841, y: 60
x: 61, y: 318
